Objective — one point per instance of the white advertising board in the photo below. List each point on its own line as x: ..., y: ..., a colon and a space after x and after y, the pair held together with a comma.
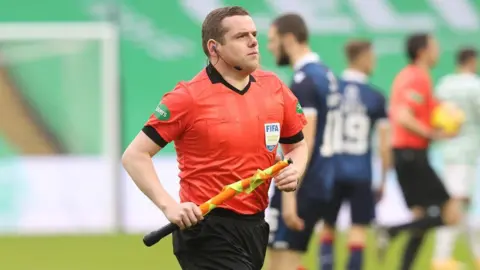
x: 63, y: 195
x: 55, y: 195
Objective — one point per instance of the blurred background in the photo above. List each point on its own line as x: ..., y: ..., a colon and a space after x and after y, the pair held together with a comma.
x: 79, y: 78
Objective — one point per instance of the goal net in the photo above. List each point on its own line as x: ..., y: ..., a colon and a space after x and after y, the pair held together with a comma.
x: 59, y: 131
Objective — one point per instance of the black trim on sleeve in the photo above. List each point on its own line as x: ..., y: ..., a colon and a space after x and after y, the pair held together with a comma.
x: 153, y: 134
x: 293, y: 139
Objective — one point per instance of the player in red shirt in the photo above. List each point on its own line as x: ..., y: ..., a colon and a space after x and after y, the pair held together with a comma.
x: 411, y: 105
x: 226, y: 123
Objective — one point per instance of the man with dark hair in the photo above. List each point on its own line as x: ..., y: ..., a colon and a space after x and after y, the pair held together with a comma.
x: 294, y: 216
x: 467, y: 58
x: 411, y: 106
x: 361, y: 112
x: 418, y: 42
x: 293, y: 26
x: 226, y: 123
x: 460, y: 155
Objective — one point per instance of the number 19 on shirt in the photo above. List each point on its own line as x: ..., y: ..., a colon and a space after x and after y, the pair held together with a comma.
x: 346, y: 133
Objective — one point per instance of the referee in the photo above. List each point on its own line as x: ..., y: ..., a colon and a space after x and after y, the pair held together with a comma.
x: 411, y: 105
x: 226, y: 123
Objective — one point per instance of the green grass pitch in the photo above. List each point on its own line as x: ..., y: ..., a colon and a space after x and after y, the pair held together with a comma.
x: 116, y: 252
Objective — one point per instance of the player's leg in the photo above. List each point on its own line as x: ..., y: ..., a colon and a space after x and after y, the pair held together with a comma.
x: 286, y: 246
x: 287, y: 254
x: 283, y: 258
x: 425, y: 217
x: 473, y: 236
x: 326, y: 244
x: 280, y: 253
x: 362, y: 207
x: 428, y: 193
x: 447, y: 214
x: 423, y: 188
x: 410, y: 182
x: 223, y: 240
x: 327, y: 234
x: 277, y: 242
x: 451, y: 208
x: 472, y: 222
x: 457, y: 180
x: 414, y: 242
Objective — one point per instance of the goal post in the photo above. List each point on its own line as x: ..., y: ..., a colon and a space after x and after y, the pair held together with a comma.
x: 26, y: 49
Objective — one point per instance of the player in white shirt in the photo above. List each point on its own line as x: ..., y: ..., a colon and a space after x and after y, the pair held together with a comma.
x: 460, y: 154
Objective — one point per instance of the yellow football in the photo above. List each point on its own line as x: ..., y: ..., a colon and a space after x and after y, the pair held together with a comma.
x: 447, y: 117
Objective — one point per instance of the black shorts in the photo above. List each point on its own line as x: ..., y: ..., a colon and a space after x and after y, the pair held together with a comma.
x: 223, y: 240
x: 420, y: 184
x: 361, y: 198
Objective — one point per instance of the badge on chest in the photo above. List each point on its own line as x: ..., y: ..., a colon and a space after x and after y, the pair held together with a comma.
x: 272, y: 135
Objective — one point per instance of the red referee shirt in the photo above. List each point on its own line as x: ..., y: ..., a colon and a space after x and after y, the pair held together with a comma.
x: 412, y: 88
x: 222, y: 134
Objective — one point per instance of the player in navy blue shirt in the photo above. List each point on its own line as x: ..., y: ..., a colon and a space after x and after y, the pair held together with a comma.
x: 293, y: 216
x: 349, y: 131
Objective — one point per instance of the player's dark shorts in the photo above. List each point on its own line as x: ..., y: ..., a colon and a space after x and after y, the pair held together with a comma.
x: 310, y: 210
x: 420, y: 184
x: 223, y: 240
x: 359, y: 195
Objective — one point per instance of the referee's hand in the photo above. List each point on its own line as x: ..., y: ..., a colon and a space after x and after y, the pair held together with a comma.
x: 183, y: 214
x: 442, y: 135
x: 287, y: 179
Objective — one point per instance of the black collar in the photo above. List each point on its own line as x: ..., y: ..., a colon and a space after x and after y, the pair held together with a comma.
x: 215, y: 77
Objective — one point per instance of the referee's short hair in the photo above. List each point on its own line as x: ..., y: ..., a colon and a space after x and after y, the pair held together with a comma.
x: 212, y: 27
x: 354, y: 48
x: 466, y: 54
x: 416, y: 43
x: 294, y: 24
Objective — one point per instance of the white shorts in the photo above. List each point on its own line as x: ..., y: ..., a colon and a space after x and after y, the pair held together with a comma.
x: 459, y: 180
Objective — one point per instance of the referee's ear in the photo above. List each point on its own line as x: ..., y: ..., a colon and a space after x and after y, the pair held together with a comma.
x: 212, y: 48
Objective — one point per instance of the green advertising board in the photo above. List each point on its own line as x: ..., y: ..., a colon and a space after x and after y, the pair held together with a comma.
x: 160, y: 40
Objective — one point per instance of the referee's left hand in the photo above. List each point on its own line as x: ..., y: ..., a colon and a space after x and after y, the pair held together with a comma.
x: 287, y: 179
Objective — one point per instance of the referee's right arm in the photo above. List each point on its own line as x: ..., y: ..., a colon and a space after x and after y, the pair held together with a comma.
x: 413, y: 98
x: 169, y: 121
x: 137, y: 161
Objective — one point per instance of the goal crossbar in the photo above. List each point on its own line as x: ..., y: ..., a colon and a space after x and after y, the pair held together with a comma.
x: 57, y: 30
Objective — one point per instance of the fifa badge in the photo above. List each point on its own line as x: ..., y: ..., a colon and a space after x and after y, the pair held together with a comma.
x: 272, y: 135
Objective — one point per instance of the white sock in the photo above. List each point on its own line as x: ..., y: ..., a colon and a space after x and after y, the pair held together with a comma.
x: 473, y: 235
x: 445, y: 238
